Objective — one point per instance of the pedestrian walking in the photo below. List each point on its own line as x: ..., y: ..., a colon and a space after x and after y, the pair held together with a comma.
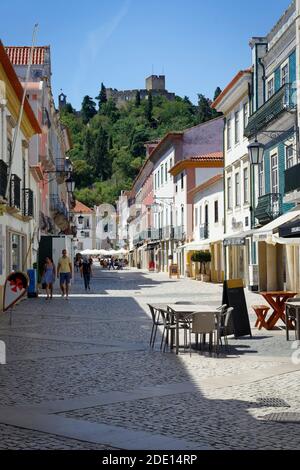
x: 86, y: 272
x: 64, y: 273
x: 48, y: 277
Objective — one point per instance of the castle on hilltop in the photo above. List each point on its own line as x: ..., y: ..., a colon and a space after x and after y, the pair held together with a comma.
x: 155, y: 83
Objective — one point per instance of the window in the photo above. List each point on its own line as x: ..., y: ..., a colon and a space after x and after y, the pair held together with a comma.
x: 261, y: 178
x: 200, y: 215
x: 166, y: 172
x: 246, y: 114
x: 196, y: 216
x: 155, y: 176
x: 270, y: 88
x: 228, y: 134
x: 9, y: 152
x: 158, y: 179
x: 182, y: 180
x: 285, y: 74
x: 246, y: 186
x: 237, y: 189
x: 229, y: 193
x: 161, y: 174
x: 216, y: 211
x: 289, y: 152
x: 237, y: 127
x: 274, y: 173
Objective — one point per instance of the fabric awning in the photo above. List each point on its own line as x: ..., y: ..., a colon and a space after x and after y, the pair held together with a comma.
x: 195, y: 246
x: 290, y: 229
x: 265, y: 233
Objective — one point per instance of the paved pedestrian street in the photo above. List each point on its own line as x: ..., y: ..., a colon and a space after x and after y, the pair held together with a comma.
x: 80, y: 375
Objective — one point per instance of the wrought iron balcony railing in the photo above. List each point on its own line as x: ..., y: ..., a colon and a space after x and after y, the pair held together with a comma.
x: 15, y: 191
x: 178, y: 232
x: 269, y: 207
x: 284, y: 99
x: 292, y: 178
x: 204, y: 232
x: 27, y: 202
x: 3, y: 178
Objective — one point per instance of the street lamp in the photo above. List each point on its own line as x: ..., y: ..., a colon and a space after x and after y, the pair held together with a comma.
x: 70, y: 184
x: 80, y: 219
x: 69, y: 165
x: 256, y: 152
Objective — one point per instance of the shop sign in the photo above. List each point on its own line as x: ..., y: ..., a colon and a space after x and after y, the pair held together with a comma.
x: 237, y: 241
x: 15, y: 288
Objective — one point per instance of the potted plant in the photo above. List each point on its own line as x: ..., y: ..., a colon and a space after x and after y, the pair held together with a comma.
x: 195, y: 258
x: 204, y: 258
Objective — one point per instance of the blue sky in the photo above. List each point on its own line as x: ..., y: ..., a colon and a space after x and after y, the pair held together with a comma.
x: 197, y: 44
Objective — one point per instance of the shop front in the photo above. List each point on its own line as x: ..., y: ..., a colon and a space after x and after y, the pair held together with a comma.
x: 237, y: 253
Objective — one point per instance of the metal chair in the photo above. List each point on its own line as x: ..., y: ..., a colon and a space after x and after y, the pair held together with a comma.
x: 202, y: 323
x: 156, y: 322
x: 290, y: 314
x: 170, y: 327
x: 223, y: 325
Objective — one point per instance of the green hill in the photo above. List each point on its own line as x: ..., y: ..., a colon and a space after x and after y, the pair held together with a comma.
x: 109, y: 142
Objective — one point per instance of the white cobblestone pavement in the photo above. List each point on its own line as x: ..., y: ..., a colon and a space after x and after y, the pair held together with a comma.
x: 80, y: 375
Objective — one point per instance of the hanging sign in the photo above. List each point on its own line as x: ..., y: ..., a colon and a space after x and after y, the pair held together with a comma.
x: 15, y: 288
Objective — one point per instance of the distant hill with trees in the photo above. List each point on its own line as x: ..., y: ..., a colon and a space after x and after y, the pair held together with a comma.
x: 108, y: 143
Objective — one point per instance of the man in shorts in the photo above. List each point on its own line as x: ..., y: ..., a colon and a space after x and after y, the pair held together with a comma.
x: 64, y: 273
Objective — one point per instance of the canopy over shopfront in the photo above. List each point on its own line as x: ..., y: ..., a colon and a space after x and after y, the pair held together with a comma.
x: 283, y: 230
x: 237, y: 239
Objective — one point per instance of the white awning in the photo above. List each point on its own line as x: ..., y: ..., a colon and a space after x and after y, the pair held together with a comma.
x: 265, y: 233
x: 284, y: 241
x: 195, y: 246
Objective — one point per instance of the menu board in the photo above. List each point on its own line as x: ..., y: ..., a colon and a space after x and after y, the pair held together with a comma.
x: 234, y: 296
x: 174, y: 270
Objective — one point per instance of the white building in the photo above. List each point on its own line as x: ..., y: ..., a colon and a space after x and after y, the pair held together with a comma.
x: 208, y: 223
x: 233, y: 102
x: 85, y: 221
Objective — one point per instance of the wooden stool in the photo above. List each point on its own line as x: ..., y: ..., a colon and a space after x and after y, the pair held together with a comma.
x: 261, y: 313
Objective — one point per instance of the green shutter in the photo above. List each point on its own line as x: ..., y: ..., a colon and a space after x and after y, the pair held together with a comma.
x: 292, y: 67
x: 277, y: 75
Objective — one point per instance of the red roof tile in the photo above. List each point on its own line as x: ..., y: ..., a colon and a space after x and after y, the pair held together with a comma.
x: 79, y: 207
x: 208, y: 156
x: 19, y: 55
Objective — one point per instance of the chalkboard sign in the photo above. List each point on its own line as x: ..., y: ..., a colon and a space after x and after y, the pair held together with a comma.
x: 174, y: 270
x: 234, y: 296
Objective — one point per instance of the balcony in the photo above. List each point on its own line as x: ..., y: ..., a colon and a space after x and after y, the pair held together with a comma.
x: 167, y: 232
x: 15, y: 191
x: 27, y: 202
x: 178, y: 232
x: 283, y: 100
x: 3, y: 178
x: 204, y: 232
x: 269, y: 207
x: 292, y: 179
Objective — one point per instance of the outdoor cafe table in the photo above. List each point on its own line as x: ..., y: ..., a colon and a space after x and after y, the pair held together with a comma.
x: 277, y: 300
x: 184, y: 309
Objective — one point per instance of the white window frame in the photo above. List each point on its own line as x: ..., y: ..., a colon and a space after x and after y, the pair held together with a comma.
x: 270, y: 90
x: 246, y: 114
x: 216, y: 204
x: 229, y: 192
x: 166, y: 172
x: 228, y: 133
x: 285, y: 78
x: 246, y: 185
x: 196, y: 216
x: 289, y: 159
x: 261, y: 178
x: 237, y: 127
x: 237, y: 188
x: 274, y: 171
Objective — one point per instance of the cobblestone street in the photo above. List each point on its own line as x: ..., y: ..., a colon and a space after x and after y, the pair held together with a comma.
x: 80, y: 375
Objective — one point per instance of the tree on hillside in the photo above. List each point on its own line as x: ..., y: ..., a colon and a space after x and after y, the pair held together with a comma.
x: 88, y: 146
x: 100, y: 156
x: 217, y: 92
x: 149, y: 108
x: 137, y: 99
x: 101, y: 98
x: 83, y: 174
x: 204, y: 109
x: 110, y: 110
x: 88, y: 109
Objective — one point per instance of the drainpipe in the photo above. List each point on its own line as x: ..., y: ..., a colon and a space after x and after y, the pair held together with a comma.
x: 263, y: 78
x: 224, y: 203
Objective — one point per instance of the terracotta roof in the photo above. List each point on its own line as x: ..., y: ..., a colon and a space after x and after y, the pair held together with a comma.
x: 206, y: 184
x: 80, y: 207
x: 19, y: 55
x: 208, y: 156
x: 18, y: 89
x: 229, y: 86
